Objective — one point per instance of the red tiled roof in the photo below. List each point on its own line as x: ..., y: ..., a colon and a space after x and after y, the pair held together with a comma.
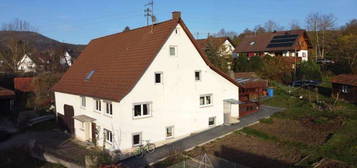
x: 245, y: 75
x: 347, y: 79
x: 119, y: 61
x: 250, y: 80
x: 215, y: 40
x: 6, y: 92
x: 262, y: 40
x: 23, y: 84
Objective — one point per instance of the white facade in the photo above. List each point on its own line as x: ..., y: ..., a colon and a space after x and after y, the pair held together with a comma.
x: 229, y: 48
x: 303, y: 54
x: 174, y: 103
x: 26, y: 64
x: 66, y: 59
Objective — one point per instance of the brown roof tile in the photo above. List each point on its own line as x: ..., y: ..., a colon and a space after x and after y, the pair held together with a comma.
x: 347, y: 79
x: 119, y: 61
x: 262, y: 40
x: 23, y: 84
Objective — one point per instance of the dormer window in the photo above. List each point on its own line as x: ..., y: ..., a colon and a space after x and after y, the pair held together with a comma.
x: 89, y: 75
x: 252, y: 43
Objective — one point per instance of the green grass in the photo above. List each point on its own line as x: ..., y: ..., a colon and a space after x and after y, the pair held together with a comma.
x: 266, y: 120
x: 259, y: 134
x: 342, y: 145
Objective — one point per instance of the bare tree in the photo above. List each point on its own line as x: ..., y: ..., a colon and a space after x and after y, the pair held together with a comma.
x: 294, y: 25
x: 259, y: 29
x: 327, y: 22
x: 312, y: 24
x: 18, y: 25
x: 318, y: 24
x: 12, y: 54
x: 224, y: 33
x: 271, y: 26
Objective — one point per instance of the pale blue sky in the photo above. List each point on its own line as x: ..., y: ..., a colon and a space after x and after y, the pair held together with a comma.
x: 79, y: 21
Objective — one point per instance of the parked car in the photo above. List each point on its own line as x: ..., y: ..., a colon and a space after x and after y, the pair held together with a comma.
x: 305, y: 83
x: 324, y: 61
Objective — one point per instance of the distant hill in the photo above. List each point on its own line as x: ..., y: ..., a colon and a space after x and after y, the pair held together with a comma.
x: 39, y: 41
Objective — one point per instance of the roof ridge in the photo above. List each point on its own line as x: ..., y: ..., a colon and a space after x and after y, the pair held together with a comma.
x: 138, y: 28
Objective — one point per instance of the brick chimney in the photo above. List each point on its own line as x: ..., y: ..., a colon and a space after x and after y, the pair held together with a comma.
x: 176, y: 15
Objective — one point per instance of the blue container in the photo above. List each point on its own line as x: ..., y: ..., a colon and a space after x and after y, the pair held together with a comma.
x: 270, y: 92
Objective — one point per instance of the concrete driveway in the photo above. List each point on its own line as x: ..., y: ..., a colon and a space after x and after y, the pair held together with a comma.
x: 198, y: 139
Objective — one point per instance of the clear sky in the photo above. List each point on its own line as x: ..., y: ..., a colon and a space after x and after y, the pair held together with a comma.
x: 79, y: 21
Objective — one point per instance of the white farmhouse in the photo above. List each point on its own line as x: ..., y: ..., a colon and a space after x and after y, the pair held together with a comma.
x: 26, y: 64
x: 150, y: 83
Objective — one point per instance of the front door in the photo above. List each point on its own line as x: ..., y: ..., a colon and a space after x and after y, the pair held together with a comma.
x: 68, y: 118
x: 227, y: 112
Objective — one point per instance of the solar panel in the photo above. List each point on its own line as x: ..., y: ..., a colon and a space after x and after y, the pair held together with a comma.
x: 286, y: 40
x: 286, y: 36
x: 280, y: 45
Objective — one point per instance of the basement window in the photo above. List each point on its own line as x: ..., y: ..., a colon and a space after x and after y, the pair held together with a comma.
x: 136, y: 139
x: 89, y: 75
x: 212, y: 121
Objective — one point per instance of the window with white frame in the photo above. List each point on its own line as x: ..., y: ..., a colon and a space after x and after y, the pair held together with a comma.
x: 142, y: 110
x: 83, y: 101
x: 109, y: 108
x: 212, y: 121
x: 173, y: 50
x: 169, y: 132
x: 108, y: 136
x: 98, y: 105
x: 158, y: 77
x: 197, y: 75
x: 205, y: 100
x: 136, y: 139
x: 344, y: 89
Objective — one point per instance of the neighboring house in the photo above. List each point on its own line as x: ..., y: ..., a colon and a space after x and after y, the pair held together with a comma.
x: 31, y: 62
x: 345, y: 86
x: 66, y: 59
x: 150, y: 83
x: 293, y: 43
x: 250, y: 90
x: 7, y: 98
x: 225, y: 44
x: 26, y: 64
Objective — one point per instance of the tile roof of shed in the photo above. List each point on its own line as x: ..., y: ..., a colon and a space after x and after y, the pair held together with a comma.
x: 347, y: 79
x: 119, y: 61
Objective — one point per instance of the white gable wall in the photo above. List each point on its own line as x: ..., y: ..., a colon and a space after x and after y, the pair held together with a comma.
x: 26, y: 64
x: 176, y: 101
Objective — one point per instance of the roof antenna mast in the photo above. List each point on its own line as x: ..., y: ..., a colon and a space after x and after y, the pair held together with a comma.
x: 149, y: 12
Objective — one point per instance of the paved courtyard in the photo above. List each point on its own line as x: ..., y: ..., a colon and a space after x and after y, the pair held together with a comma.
x: 200, y: 138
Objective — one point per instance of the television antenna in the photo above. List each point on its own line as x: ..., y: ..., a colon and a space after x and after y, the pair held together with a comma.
x: 149, y: 12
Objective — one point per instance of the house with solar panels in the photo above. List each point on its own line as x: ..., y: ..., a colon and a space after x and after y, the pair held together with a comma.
x: 293, y: 43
